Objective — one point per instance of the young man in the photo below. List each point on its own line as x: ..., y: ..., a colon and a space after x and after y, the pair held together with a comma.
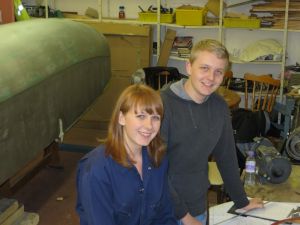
x: 197, y: 124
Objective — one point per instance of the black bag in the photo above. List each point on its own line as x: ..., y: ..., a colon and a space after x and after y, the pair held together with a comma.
x: 247, y: 125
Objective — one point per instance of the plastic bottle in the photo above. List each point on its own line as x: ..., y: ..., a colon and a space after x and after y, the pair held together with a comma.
x: 121, y: 12
x: 250, y: 175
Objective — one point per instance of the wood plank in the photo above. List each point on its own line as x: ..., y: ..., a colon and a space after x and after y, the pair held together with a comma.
x: 275, y: 7
x: 241, y: 3
x: 166, y: 48
x: 15, y: 216
x: 7, y: 208
x: 28, y: 218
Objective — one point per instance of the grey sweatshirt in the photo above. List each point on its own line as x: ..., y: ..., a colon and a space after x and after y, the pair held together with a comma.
x: 192, y: 133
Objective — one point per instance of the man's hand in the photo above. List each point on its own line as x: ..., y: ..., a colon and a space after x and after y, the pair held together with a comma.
x: 254, y: 203
x: 190, y: 220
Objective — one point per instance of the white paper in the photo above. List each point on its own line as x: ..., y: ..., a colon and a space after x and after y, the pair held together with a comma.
x: 272, y: 210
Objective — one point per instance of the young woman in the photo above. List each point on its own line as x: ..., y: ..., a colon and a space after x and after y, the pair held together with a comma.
x: 124, y: 181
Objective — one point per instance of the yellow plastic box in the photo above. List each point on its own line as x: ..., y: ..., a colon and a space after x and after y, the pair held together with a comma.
x: 190, y: 16
x: 242, y: 23
x: 152, y: 17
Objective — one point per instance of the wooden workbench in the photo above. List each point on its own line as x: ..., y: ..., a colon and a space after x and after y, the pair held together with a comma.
x: 289, y: 191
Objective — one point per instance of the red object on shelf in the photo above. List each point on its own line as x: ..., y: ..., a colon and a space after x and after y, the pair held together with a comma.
x: 7, y: 11
x: 121, y: 12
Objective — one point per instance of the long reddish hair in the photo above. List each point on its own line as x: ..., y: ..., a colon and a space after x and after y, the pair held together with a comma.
x: 137, y: 96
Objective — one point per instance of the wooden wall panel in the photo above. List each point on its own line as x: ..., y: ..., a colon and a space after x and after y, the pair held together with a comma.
x: 7, y: 11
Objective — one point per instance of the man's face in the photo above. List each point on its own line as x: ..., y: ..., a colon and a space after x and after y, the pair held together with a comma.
x: 206, y: 75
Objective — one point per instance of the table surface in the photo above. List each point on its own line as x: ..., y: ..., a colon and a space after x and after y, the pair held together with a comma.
x: 289, y: 191
x: 232, y: 98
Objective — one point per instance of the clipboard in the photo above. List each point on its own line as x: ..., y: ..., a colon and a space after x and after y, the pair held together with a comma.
x: 273, y: 211
x: 233, y: 210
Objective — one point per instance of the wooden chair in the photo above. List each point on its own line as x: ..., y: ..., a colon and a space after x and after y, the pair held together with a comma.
x: 227, y: 79
x: 263, y: 94
x: 158, y: 76
x: 263, y: 97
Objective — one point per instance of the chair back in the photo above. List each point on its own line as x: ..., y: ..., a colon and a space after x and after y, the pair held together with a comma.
x: 263, y: 94
x: 158, y: 76
x: 227, y: 79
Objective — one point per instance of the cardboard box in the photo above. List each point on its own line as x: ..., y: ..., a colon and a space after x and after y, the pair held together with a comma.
x: 7, y: 14
x: 130, y: 46
x: 214, y: 7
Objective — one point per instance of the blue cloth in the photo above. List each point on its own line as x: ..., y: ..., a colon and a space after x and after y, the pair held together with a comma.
x: 202, y: 218
x: 110, y: 194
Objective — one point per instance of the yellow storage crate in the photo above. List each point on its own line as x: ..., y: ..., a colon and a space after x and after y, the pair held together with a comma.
x: 152, y: 17
x: 242, y: 23
x: 190, y: 15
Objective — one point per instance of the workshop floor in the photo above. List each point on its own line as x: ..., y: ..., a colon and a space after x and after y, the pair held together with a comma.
x: 51, y: 192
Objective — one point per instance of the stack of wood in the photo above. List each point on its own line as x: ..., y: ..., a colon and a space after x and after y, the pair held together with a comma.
x: 12, y: 213
x: 277, y: 9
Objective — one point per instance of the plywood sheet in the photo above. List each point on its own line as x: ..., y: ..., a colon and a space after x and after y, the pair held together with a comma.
x: 275, y: 7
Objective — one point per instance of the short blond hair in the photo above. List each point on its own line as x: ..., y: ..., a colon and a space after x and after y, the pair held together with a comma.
x: 209, y: 45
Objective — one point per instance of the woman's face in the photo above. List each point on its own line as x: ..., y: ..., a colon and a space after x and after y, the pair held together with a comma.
x: 139, y: 127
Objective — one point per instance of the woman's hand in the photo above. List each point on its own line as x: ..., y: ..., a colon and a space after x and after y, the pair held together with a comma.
x: 190, y: 220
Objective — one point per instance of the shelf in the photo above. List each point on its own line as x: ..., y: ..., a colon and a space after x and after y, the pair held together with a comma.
x: 259, y: 62
x: 272, y: 29
x: 178, y: 58
x: 174, y: 57
x: 127, y: 21
x: 135, y: 21
x: 215, y: 29
x: 190, y: 27
x: 291, y: 30
x: 255, y: 29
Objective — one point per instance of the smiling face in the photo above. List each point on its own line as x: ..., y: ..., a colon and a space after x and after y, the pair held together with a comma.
x: 206, y: 75
x: 139, y: 127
